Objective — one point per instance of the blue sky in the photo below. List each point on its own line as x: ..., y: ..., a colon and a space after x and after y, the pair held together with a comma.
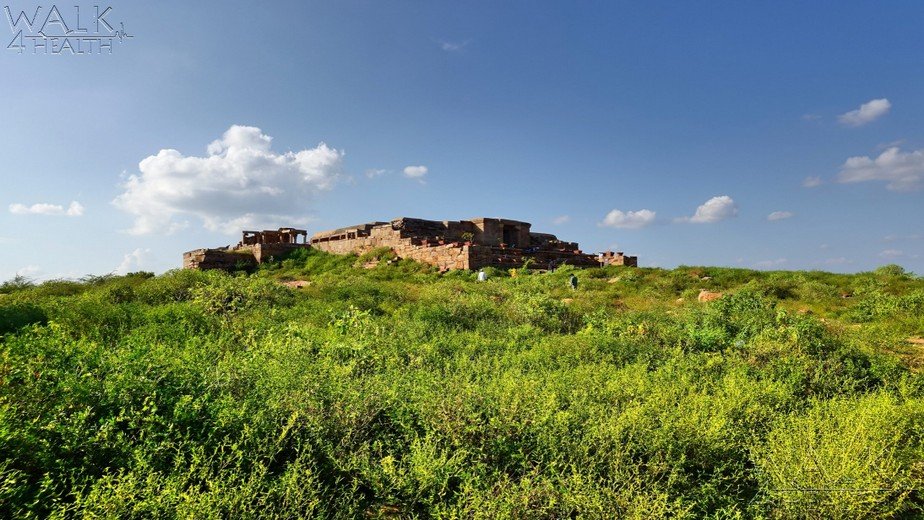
x: 668, y: 131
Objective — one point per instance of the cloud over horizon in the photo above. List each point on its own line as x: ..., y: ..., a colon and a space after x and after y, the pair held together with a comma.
x: 52, y: 210
x: 867, y: 113
x: 132, y: 261
x: 779, y: 215
x: 629, y: 219
x: 716, y: 209
x: 902, y: 171
x: 241, y: 183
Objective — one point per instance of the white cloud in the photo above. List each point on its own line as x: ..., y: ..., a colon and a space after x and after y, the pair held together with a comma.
x: 74, y: 210
x: 416, y: 172
x: 629, y: 219
x: 562, y: 219
x: 867, y: 113
x: 902, y: 171
x: 375, y: 172
x: 766, y: 264
x: 893, y: 238
x: 132, y: 261
x: 242, y: 182
x: 29, y: 271
x: 715, y: 209
x: 891, y: 144
x: 779, y: 215
x: 453, y: 46
x: 891, y: 253
x: 811, y: 182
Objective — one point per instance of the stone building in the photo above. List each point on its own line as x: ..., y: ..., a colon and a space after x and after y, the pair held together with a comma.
x: 464, y: 244
x: 610, y: 258
x: 448, y: 244
x: 254, y: 248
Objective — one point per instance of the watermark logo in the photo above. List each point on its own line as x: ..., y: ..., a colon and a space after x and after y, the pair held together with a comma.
x: 48, y: 31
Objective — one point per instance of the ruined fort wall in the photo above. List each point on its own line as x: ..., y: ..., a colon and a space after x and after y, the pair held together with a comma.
x: 217, y: 259
x: 505, y: 258
x: 361, y: 245
x: 444, y: 257
x: 440, y: 243
x: 263, y: 252
x: 617, y: 258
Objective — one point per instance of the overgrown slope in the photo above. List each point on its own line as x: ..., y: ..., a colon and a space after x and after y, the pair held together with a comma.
x: 397, y: 392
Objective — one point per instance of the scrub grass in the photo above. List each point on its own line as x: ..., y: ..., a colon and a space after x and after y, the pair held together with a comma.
x: 396, y: 392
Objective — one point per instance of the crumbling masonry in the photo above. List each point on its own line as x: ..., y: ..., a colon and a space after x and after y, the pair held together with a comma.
x: 464, y: 244
x: 254, y: 248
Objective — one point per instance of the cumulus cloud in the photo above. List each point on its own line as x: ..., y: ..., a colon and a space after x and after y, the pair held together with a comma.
x: 629, y: 219
x: 416, y: 172
x: 241, y: 183
x: 901, y: 171
x: 867, y: 113
x: 562, y: 219
x: 375, y: 172
x: 779, y: 215
x: 713, y: 210
x: 811, y: 182
x: 132, y: 261
x: 74, y: 210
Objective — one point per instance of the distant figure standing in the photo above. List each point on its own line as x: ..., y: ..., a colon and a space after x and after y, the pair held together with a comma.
x: 573, y: 282
x: 482, y: 276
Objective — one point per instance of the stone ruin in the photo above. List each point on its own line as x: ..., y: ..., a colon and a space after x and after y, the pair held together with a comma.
x: 254, y: 248
x: 464, y: 244
x: 610, y: 258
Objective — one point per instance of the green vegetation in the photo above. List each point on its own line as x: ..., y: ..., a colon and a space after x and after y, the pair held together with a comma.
x: 398, y: 392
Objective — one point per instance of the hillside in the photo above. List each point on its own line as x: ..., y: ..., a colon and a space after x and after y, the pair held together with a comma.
x: 398, y: 392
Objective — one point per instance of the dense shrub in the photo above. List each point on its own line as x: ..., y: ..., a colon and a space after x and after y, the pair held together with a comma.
x: 845, y: 458
x: 16, y: 316
x: 399, y: 392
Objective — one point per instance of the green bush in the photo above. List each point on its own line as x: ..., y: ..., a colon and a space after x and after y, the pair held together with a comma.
x: 399, y: 392
x: 16, y: 316
x: 845, y: 458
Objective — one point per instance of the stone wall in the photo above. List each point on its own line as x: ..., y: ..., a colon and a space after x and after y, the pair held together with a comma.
x: 440, y: 243
x: 232, y: 259
x: 494, y: 242
x: 263, y: 252
x: 617, y: 258
x: 225, y: 259
x: 507, y: 258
